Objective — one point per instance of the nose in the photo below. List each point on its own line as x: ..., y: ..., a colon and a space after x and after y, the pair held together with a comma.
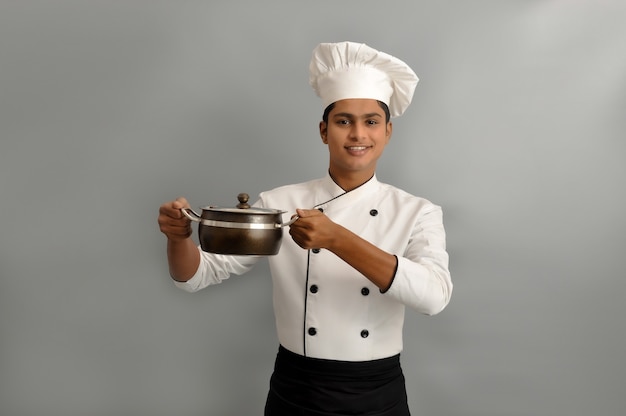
x: 357, y: 131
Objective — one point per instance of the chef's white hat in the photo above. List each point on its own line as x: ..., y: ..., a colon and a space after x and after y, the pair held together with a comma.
x: 345, y: 70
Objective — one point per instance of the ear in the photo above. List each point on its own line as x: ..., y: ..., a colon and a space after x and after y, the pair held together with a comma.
x: 324, y: 132
x: 389, y: 131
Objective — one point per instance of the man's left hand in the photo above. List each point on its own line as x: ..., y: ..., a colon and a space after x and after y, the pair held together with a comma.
x: 313, y: 229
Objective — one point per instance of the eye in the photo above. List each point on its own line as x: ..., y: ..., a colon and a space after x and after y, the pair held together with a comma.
x: 343, y: 122
x: 371, y: 122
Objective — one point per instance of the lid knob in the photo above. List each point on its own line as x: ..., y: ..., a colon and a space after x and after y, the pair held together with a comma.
x: 243, y: 201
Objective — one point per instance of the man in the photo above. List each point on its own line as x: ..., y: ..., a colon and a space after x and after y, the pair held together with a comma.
x: 359, y: 252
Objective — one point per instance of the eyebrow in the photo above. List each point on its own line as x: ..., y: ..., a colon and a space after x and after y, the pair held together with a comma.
x: 349, y: 115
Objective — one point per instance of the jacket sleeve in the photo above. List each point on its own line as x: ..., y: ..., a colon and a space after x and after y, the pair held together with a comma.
x: 422, y: 280
x: 214, y: 268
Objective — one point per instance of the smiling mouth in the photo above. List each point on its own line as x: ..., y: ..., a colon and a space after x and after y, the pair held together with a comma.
x: 357, y: 148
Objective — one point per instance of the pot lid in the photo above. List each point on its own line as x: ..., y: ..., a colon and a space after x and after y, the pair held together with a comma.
x: 244, y: 211
x: 243, y: 207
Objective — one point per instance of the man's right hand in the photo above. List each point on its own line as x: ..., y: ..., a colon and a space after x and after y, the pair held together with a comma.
x: 172, y: 222
x: 182, y: 255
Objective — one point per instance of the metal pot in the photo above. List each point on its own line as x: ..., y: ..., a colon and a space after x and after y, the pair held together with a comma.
x: 243, y: 230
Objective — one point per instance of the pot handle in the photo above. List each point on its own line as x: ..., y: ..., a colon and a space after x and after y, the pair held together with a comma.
x: 288, y: 223
x: 191, y: 214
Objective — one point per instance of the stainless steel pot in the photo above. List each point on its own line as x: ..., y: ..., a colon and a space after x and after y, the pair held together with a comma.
x: 243, y: 230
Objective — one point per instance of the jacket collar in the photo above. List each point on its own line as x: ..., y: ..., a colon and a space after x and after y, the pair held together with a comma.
x: 333, y: 195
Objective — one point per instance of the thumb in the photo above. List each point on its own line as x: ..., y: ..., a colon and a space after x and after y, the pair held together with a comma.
x: 303, y: 213
x: 179, y: 203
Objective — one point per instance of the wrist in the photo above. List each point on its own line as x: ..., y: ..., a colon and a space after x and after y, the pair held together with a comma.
x: 338, y: 235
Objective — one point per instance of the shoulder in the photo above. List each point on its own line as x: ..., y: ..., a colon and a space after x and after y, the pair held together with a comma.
x: 287, y: 189
x: 289, y: 194
x: 404, y: 200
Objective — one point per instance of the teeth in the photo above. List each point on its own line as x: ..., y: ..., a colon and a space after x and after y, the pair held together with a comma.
x: 357, y: 147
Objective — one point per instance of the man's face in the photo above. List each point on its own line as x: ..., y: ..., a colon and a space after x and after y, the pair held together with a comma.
x: 356, y: 135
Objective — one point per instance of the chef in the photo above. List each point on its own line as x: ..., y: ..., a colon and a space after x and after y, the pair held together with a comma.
x: 360, y: 250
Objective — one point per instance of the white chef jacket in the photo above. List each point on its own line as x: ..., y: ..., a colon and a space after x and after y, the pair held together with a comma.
x: 324, y: 308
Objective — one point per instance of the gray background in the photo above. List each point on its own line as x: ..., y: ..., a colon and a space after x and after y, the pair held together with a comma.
x: 108, y: 109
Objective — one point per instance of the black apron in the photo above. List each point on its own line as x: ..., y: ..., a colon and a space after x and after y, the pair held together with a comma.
x: 302, y: 386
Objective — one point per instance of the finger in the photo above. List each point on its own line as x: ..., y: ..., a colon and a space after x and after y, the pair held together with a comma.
x: 172, y: 209
x: 166, y: 211
x: 295, y: 236
x: 308, y: 212
x: 177, y: 205
x: 174, y: 227
x: 180, y: 202
x: 167, y: 222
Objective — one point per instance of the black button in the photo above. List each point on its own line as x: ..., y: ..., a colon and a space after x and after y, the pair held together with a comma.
x: 365, y: 291
x: 320, y: 209
x: 373, y: 212
x: 316, y: 250
x: 313, y: 331
x: 313, y: 289
x: 364, y: 334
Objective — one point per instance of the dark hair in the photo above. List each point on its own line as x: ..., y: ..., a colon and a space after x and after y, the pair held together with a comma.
x: 380, y: 103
